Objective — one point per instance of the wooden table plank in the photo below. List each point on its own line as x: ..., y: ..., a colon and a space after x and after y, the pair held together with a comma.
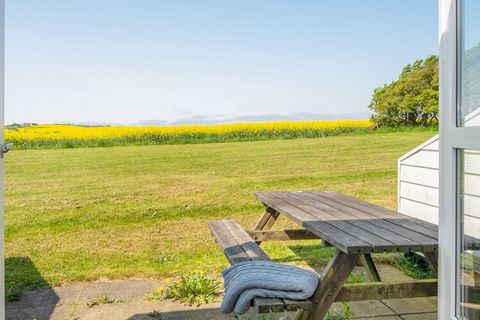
x: 333, y: 235
x: 364, y: 222
x: 352, y: 225
x: 332, y: 217
x: 397, y: 223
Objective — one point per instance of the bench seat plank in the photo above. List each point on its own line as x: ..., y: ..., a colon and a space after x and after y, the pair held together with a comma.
x: 238, y: 246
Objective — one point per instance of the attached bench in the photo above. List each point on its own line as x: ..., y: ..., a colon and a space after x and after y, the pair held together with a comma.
x: 238, y: 246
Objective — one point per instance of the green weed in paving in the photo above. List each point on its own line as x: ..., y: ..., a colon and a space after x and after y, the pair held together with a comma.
x: 194, y: 288
x: 141, y: 211
x: 415, y: 266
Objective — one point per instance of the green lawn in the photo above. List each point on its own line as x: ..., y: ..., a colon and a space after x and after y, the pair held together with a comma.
x: 141, y: 211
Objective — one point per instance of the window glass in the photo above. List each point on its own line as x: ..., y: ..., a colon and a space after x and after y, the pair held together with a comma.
x: 469, y: 58
x: 469, y: 236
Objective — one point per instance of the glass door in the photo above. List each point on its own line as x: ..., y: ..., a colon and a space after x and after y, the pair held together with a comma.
x: 459, y: 239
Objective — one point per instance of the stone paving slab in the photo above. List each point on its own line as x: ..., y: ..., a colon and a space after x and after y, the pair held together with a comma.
x: 381, y: 318
x: 71, y: 303
x: 366, y: 309
x: 48, y: 296
x: 412, y: 305
x: 420, y: 316
x: 122, y: 290
x: 59, y: 312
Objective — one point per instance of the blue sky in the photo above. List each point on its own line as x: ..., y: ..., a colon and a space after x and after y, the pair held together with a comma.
x: 128, y: 61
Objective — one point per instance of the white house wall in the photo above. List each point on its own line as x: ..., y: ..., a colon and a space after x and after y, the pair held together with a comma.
x: 418, y: 180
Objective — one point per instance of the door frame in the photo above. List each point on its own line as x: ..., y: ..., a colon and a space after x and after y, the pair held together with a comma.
x: 452, y: 139
x: 2, y: 115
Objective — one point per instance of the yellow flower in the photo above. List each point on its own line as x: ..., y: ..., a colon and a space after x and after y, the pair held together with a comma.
x: 83, y: 133
x: 167, y: 280
x: 160, y: 289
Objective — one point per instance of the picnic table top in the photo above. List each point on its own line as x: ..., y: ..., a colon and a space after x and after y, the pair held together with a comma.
x: 352, y: 225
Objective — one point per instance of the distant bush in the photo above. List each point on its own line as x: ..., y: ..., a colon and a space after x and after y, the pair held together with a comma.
x: 412, y: 99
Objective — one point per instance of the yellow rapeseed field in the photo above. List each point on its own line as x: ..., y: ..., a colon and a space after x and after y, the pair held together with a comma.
x: 72, y: 136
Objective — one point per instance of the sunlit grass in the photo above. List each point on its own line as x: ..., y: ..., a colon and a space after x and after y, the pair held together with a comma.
x: 141, y: 211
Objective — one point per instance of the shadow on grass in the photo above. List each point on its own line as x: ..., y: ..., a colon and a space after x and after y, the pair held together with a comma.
x: 22, y: 303
x: 315, y: 255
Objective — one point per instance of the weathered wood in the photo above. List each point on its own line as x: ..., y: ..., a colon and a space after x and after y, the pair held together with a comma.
x: 292, y: 305
x: 282, y: 235
x: 266, y: 220
x: 338, y: 219
x: 333, y: 235
x: 370, y: 268
x: 332, y: 279
x: 267, y: 305
x: 392, y: 290
x: 375, y: 223
x: 352, y: 225
x: 396, y: 223
x: 253, y: 251
x: 238, y: 246
x: 432, y: 259
x: 231, y: 248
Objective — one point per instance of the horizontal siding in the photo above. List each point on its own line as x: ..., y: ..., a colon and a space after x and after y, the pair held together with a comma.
x: 471, y: 205
x: 471, y: 226
x: 419, y: 193
x: 423, y: 158
x: 419, y: 210
x: 471, y: 184
x: 418, y: 175
x: 418, y: 181
x: 472, y: 162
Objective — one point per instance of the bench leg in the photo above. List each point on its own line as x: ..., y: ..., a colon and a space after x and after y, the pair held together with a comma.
x: 372, y: 272
x: 266, y: 221
x: 332, y: 279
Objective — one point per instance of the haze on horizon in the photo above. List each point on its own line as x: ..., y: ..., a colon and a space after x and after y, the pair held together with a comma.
x: 186, y: 61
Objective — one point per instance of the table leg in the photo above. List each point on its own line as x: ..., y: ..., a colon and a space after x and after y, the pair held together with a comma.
x: 332, y: 279
x: 432, y: 259
x: 266, y: 220
x: 372, y: 272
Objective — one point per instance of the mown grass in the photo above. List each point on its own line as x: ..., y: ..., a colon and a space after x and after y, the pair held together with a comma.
x: 141, y: 211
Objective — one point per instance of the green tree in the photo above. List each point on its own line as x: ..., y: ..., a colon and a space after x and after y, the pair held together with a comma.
x: 412, y: 99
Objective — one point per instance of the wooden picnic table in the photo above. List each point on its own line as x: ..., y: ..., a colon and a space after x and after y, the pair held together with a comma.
x: 355, y: 228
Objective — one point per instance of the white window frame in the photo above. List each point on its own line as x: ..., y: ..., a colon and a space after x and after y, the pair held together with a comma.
x: 452, y: 139
x: 2, y: 213
x: 2, y: 108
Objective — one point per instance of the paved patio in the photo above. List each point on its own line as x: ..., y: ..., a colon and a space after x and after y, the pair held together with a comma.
x: 71, y: 302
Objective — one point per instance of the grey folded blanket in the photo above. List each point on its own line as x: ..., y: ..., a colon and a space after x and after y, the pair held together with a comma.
x: 265, y: 279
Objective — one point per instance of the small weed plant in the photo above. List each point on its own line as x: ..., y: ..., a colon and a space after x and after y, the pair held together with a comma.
x: 415, y: 266
x: 194, y: 288
x: 12, y: 292
x: 356, y: 278
x: 102, y: 299
x: 156, y: 295
x: 335, y: 314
